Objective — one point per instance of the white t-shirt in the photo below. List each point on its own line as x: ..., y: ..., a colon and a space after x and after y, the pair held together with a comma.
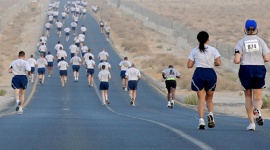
x: 83, y: 29
x: 43, y: 39
x: 32, y: 62
x: 124, y: 65
x: 59, y: 24
x: 49, y: 58
x: 107, y: 29
x: 67, y: 29
x: 76, y: 40
x: 64, y: 14
x: 86, y: 56
x: 206, y: 59
x: 42, y: 48
x: 57, y: 47
x: 103, y: 55
x: 81, y: 37
x: 48, y: 25
x: 107, y: 65
x: 73, y: 24
x: 19, y: 67
x: 133, y: 74
x: 61, y: 53
x: 73, y: 48
x: 84, y: 49
x: 63, y: 65
x: 50, y: 18
x: 171, y: 73
x: 75, y: 60
x: 55, y: 13
x: 90, y: 64
x: 104, y: 75
x: 42, y: 63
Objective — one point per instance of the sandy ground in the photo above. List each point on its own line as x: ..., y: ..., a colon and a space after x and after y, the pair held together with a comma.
x: 162, y: 51
x: 29, y: 25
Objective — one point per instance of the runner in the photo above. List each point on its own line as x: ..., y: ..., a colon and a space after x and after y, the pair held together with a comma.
x: 81, y: 38
x: 107, y: 31
x: 83, y: 29
x: 251, y: 53
x: 57, y: 46
x: 48, y: 28
x: 59, y: 26
x: 77, y: 41
x: 104, y: 76
x: 63, y: 14
x: 86, y: 56
x: 170, y: 74
x: 76, y: 63
x: 63, y: 65
x: 43, y: 39
x: 84, y: 50
x: 43, y: 49
x: 32, y: 62
x: 61, y: 53
x: 90, y: 65
x: 41, y: 64
x: 84, y: 10
x: 19, y: 82
x: 204, y: 79
x: 106, y: 64
x: 50, y: 59
x: 101, y: 25
x: 73, y: 49
x: 103, y: 55
x: 76, y: 19
x: 123, y: 66
x: 50, y: 19
x: 67, y: 30
x: 73, y: 27
x: 55, y: 14
x: 133, y: 75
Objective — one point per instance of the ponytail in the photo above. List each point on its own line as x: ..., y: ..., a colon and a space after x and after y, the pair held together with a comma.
x: 202, y: 37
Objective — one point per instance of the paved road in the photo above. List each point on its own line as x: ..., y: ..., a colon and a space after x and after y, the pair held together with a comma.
x: 72, y: 117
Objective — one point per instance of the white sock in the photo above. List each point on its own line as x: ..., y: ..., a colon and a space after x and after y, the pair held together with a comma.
x: 17, y: 101
x: 20, y: 108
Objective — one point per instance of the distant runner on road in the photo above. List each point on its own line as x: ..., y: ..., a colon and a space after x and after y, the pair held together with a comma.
x: 32, y: 62
x: 63, y: 66
x: 76, y: 64
x: 104, y: 76
x: 123, y: 66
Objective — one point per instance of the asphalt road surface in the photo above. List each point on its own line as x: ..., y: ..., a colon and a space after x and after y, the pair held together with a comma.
x: 73, y: 117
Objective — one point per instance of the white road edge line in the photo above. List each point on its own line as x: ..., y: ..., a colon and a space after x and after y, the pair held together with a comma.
x: 180, y: 133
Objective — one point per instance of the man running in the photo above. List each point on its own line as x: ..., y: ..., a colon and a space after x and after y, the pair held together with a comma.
x: 50, y: 59
x: 133, y: 75
x: 170, y: 74
x: 67, y: 30
x: 19, y: 82
x: 101, y: 25
x: 84, y: 49
x: 107, y: 31
x: 83, y: 29
x: 86, y: 56
x: 123, y: 66
x: 43, y: 49
x: 61, y: 53
x: 48, y: 27
x: 59, y: 26
x: 103, y: 55
x: 32, y: 62
x: 106, y: 64
x: 41, y: 64
x: 57, y: 46
x: 73, y: 27
x: 76, y: 63
x: 104, y: 76
x: 63, y: 65
x: 90, y: 65
x: 73, y: 49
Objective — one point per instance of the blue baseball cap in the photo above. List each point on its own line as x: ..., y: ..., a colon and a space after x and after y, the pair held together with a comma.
x: 251, y: 23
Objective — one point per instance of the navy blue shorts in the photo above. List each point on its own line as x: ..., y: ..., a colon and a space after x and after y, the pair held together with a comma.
x: 67, y: 33
x: 41, y: 70
x: 73, y: 28
x: 63, y: 17
x: 32, y: 70
x: 123, y: 74
x: 170, y: 84
x: 59, y: 29
x: 50, y: 64
x: 252, y: 76
x: 132, y: 84
x: 77, y: 44
x: 58, y: 60
x: 108, y: 33
x: 76, y: 68
x: 19, y: 82
x: 63, y: 72
x: 55, y: 16
x: 83, y: 53
x: 44, y: 53
x: 104, y: 86
x: 50, y: 21
x: 72, y: 55
x: 90, y: 71
x: 204, y: 78
x: 48, y: 28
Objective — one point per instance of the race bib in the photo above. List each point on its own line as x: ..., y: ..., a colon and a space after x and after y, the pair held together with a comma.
x: 252, y: 46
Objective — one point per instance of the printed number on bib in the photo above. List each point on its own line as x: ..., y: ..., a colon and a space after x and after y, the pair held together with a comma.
x: 252, y: 46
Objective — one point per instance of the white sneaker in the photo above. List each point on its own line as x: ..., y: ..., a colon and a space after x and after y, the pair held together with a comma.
x: 20, y: 112
x: 126, y: 89
x: 251, y: 127
x: 211, y: 121
x: 169, y: 104
x: 258, y: 115
x: 201, y: 124
x: 172, y: 103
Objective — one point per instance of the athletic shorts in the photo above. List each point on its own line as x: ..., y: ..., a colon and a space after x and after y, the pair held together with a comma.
x: 83, y: 13
x: 132, y: 84
x: 48, y: 28
x: 123, y: 74
x: 63, y: 72
x: 41, y: 70
x: 76, y: 68
x: 83, y: 33
x: 63, y: 17
x: 55, y: 16
x: 108, y: 33
x: 104, y: 86
x: 50, y: 21
x: 77, y: 44
x: 252, y: 76
x: 67, y: 33
x: 50, y: 64
x: 90, y: 71
x: 59, y: 29
x: 19, y: 82
x: 58, y: 60
x: 83, y: 53
x: 32, y: 70
x: 101, y: 26
x: 44, y: 53
x: 73, y: 28
x: 204, y: 78
x: 72, y: 55
x: 170, y: 84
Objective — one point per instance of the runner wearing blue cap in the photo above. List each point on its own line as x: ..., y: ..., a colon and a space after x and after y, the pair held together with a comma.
x: 251, y: 53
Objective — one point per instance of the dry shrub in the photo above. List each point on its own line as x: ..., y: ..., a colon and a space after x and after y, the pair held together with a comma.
x: 135, y: 46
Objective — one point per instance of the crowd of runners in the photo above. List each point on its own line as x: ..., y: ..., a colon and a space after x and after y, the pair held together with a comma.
x: 251, y: 53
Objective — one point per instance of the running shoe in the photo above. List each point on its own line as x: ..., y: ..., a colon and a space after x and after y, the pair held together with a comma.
x: 40, y: 80
x: 20, y: 112
x: 259, y: 119
x: 132, y: 101
x: 18, y: 106
x: 125, y: 89
x: 169, y: 104
x: 172, y: 103
x: 201, y: 124
x: 107, y: 102
x: 251, y: 127
x: 211, y: 122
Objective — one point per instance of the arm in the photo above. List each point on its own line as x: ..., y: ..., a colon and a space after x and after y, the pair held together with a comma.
x: 163, y: 75
x: 237, y: 58
x: 217, y: 61
x: 266, y: 57
x: 190, y: 63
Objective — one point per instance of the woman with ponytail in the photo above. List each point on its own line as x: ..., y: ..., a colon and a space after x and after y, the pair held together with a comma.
x: 251, y: 53
x: 204, y: 79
